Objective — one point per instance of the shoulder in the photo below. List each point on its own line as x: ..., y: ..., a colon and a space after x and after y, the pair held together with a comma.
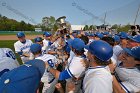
x: 29, y: 41
x: 17, y: 43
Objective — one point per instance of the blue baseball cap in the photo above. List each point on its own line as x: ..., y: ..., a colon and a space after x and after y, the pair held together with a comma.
x: 38, y: 39
x: 47, y: 34
x: 134, y: 51
x: 20, y: 34
x: 135, y: 38
x: 116, y: 38
x: 24, y: 79
x: 123, y: 35
x: 86, y: 34
x: 77, y: 44
x: 101, y: 49
x: 105, y: 33
x: 35, y: 48
x: 100, y: 35
x: 91, y: 35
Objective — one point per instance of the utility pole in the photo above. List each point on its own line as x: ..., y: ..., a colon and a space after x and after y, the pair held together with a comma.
x: 104, y: 20
x: 136, y: 15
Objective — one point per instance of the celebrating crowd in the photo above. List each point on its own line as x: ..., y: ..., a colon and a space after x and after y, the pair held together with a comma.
x: 73, y: 62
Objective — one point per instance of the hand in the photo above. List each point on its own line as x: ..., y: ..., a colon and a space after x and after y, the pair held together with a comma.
x: 59, y: 87
x: 71, y: 86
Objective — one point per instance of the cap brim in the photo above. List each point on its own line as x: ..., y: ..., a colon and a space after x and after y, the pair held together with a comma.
x: 131, y: 38
x: 128, y: 50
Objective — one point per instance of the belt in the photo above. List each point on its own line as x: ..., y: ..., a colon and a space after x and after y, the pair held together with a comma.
x: 51, y: 80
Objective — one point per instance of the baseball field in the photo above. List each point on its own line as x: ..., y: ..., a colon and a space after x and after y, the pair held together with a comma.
x: 7, y: 40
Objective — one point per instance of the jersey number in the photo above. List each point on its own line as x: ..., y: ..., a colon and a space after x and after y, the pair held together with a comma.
x: 51, y: 64
x: 11, y: 55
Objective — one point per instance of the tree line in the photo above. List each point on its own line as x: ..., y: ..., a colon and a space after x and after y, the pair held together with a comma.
x: 48, y: 24
x: 7, y: 24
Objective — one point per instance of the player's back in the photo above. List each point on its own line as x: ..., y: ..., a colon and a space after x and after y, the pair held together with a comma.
x: 52, y: 61
x: 7, y: 64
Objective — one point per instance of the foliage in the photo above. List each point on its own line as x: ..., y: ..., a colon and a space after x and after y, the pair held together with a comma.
x: 120, y: 28
x: 7, y: 24
x: 91, y: 27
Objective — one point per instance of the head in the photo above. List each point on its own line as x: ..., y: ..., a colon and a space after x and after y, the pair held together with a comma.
x: 77, y: 46
x: 116, y: 40
x: 47, y: 35
x: 131, y: 57
x: 38, y: 40
x: 98, y: 36
x: 27, y: 79
x: 21, y: 37
x: 123, y: 36
x: 133, y: 41
x: 85, y: 39
x: 74, y: 33
x: 99, y: 53
x: 133, y: 28
x: 105, y: 34
x: 109, y: 40
x: 36, y: 49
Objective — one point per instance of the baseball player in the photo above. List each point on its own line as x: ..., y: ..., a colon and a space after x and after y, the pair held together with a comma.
x: 22, y: 47
x: 75, y: 67
x: 23, y: 79
x: 98, y: 78
x: 7, y: 64
x: 133, y: 41
x: 46, y: 41
x: 126, y: 77
x: 7, y: 52
x: 38, y: 40
x: 48, y: 79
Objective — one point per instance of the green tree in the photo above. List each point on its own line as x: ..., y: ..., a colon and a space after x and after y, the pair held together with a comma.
x: 86, y: 28
x: 115, y: 26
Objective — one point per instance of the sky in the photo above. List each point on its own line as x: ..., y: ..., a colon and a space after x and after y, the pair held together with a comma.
x: 77, y: 12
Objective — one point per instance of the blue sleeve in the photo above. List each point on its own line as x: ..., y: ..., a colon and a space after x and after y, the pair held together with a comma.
x: 64, y: 75
x: 20, y: 53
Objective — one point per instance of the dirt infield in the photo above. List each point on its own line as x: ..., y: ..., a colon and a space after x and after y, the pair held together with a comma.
x: 13, y: 37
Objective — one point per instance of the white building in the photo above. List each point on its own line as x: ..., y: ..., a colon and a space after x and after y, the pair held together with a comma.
x: 77, y: 27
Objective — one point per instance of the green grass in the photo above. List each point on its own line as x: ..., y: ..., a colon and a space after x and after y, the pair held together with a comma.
x: 14, y: 33
x: 10, y: 44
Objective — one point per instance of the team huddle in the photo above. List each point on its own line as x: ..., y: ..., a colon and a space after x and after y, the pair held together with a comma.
x: 77, y: 62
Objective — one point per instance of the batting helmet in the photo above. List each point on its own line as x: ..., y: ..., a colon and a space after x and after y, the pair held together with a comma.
x: 38, y: 39
x: 20, y: 34
x: 135, y: 38
x: 101, y: 49
x: 77, y: 44
x: 135, y: 51
x: 35, y: 48
x: 123, y: 35
x: 47, y: 34
x: 116, y: 38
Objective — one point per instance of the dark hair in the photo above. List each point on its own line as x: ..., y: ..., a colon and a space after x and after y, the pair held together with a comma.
x: 138, y: 27
x: 133, y: 27
x: 109, y: 40
x: 102, y: 63
x: 85, y: 39
x: 81, y: 52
